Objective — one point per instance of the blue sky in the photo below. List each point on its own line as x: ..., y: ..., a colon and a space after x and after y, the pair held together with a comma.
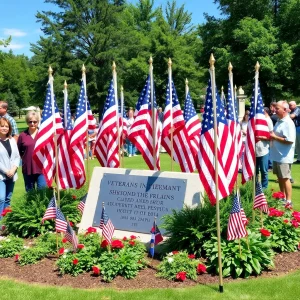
x: 18, y: 19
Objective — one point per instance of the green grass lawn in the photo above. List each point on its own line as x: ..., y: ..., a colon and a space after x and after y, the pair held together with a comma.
x: 285, y: 287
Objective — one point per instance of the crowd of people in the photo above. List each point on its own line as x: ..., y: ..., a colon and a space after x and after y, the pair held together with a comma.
x: 275, y: 153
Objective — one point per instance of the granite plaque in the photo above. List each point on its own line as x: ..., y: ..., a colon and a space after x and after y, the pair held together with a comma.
x: 132, y: 201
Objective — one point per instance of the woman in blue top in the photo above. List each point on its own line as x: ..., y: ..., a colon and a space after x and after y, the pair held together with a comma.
x: 9, y: 162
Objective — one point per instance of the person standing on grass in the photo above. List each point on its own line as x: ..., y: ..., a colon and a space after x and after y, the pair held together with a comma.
x: 32, y: 174
x: 295, y: 116
x: 4, y: 114
x: 9, y: 162
x: 282, y: 149
x: 131, y: 150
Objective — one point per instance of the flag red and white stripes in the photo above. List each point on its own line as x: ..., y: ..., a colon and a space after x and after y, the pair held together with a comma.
x: 260, y: 201
x: 107, y: 226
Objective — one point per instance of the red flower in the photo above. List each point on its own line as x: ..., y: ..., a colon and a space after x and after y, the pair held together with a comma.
x: 64, y: 240
x: 75, y: 261
x: 265, y: 232
x: 132, y: 243
x: 181, y: 276
x: 124, y: 238
x: 286, y: 221
x: 96, y: 270
x: 296, y: 215
x: 175, y: 252
x: 132, y: 237
x: 80, y: 246
x: 6, y: 211
x: 273, y: 212
x: 278, y: 195
x: 192, y: 256
x: 91, y: 230
x: 117, y: 244
x: 61, y: 251
x: 201, y: 269
x: 17, y: 257
x: 294, y: 223
x: 104, y: 244
x: 288, y: 206
x: 71, y: 224
x: 74, y: 197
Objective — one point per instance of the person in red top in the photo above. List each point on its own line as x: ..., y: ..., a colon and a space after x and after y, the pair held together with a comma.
x: 33, y: 175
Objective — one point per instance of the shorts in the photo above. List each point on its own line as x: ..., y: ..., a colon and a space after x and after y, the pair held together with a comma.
x: 282, y: 170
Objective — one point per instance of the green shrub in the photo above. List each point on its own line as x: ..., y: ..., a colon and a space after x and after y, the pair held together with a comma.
x: 32, y: 255
x: 240, y: 261
x: 10, y: 246
x: 176, y: 262
x: 27, y: 212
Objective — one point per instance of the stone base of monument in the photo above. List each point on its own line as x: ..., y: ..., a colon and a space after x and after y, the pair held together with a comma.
x: 133, y: 199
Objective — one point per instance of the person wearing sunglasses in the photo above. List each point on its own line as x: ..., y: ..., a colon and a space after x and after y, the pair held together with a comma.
x: 33, y: 175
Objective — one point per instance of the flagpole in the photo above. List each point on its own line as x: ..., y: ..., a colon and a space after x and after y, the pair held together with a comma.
x: 223, y: 96
x: 65, y: 103
x: 122, y: 125
x: 114, y: 73
x: 257, y: 66
x: 171, y: 109
x: 213, y: 88
x: 153, y: 112
x: 50, y: 71
x: 83, y: 69
x: 186, y: 90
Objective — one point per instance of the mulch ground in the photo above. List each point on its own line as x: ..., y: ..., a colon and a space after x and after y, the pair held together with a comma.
x: 46, y: 272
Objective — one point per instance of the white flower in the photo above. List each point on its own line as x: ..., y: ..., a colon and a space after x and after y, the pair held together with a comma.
x: 64, y: 256
x: 170, y: 259
x: 66, y: 250
x: 25, y: 247
x: 170, y: 254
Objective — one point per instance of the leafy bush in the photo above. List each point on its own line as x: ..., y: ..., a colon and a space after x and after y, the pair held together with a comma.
x: 32, y: 255
x: 27, y: 212
x: 285, y: 230
x: 178, y: 265
x: 10, y: 246
x: 189, y: 228
x: 240, y: 261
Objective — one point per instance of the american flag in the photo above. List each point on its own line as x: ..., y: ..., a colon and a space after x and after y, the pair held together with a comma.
x: 78, y: 138
x: 236, y: 227
x: 174, y: 121
x: 244, y: 218
x: 156, y: 238
x: 60, y: 221
x: 257, y: 126
x: 71, y: 236
x: 192, y: 123
x: 260, y: 200
x: 141, y: 131
x: 91, y: 119
x: 65, y: 173
x: 44, y: 150
x: 107, y: 226
x: 107, y: 148
x: 81, y: 204
x: 206, y: 155
x: 123, y: 123
x: 50, y: 212
x: 231, y: 165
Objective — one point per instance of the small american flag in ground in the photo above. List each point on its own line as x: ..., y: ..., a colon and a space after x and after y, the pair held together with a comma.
x: 244, y: 218
x: 81, y: 204
x: 60, y: 221
x: 260, y: 200
x: 192, y: 123
x: 107, y: 226
x: 71, y: 237
x: 236, y: 227
x: 50, y: 212
x: 156, y: 238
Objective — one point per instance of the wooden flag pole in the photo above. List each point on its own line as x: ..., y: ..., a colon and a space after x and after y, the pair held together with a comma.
x: 186, y: 90
x: 171, y: 109
x: 213, y: 90
x: 153, y: 108
x: 257, y: 66
x: 50, y: 71
x: 114, y: 73
x: 122, y: 126
x: 87, y: 148
x: 223, y: 96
